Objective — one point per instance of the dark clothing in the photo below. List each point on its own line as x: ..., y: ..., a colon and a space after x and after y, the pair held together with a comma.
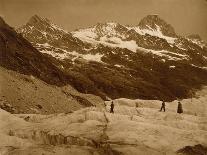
x: 180, y: 108
x: 112, y: 108
x: 163, y: 106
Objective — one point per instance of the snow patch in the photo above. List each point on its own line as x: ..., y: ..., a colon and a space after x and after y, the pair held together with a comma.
x: 90, y: 57
x: 152, y: 32
x: 172, y: 67
x: 205, y: 57
x: 48, y: 49
x: 60, y: 56
x: 87, y: 35
x: 120, y: 66
x: 117, y: 42
x: 55, y: 27
x: 163, y: 60
x: 166, y: 54
x: 205, y: 68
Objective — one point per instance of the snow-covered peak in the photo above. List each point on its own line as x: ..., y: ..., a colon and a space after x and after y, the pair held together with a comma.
x: 42, y: 30
x: 108, y: 29
x: 41, y: 24
x: 116, y: 35
x: 150, y: 36
x: 152, y: 21
x: 151, y: 25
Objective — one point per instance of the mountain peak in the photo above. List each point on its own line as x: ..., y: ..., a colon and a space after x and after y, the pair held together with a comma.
x: 34, y: 19
x: 37, y: 19
x: 42, y: 24
x: 154, y: 22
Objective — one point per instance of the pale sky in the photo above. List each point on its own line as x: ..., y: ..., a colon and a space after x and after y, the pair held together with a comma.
x: 186, y: 16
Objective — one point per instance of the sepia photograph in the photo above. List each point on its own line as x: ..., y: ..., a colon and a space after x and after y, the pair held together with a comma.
x: 103, y: 77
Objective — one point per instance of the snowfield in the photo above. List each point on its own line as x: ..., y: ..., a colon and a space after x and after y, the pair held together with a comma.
x: 109, y: 36
x: 136, y: 127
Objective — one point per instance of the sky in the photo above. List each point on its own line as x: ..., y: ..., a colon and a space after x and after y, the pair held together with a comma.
x: 186, y: 16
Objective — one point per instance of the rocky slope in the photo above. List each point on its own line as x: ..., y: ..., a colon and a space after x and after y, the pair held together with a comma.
x: 24, y: 90
x: 147, y: 61
x: 21, y: 93
x: 136, y: 127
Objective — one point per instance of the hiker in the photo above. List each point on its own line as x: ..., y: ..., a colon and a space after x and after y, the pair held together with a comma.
x: 112, y: 107
x: 163, y: 106
x: 180, y: 108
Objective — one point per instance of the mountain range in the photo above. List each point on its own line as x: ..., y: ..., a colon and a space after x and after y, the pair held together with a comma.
x: 148, y: 60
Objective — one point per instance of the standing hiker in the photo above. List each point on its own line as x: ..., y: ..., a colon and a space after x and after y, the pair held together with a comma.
x: 163, y: 106
x: 112, y: 107
x: 180, y: 108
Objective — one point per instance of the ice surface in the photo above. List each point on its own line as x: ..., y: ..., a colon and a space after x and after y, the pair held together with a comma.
x: 135, y: 126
